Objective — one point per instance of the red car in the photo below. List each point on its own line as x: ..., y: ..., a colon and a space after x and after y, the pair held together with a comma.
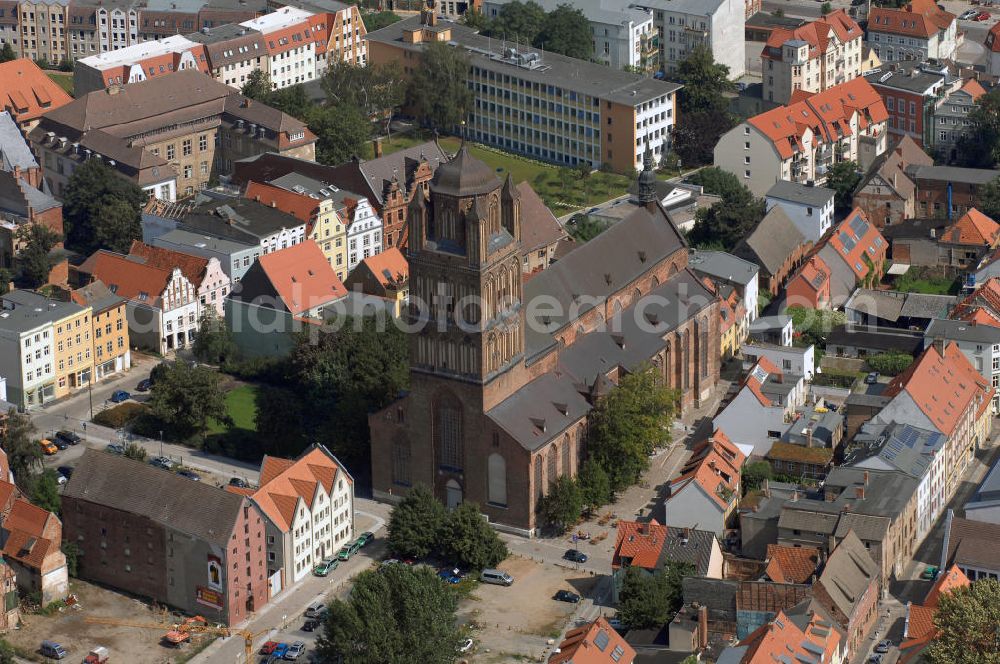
x: 268, y: 647
x: 984, y: 16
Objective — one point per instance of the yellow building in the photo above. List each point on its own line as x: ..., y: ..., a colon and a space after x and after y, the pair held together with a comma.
x: 111, y: 352
x: 74, y: 353
x: 330, y: 233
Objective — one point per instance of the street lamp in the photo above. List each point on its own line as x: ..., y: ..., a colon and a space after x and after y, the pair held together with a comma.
x: 161, y: 443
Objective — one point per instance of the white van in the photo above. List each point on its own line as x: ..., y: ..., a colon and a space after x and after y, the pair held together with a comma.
x: 496, y: 577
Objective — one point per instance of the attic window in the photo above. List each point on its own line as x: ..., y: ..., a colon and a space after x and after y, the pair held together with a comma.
x: 539, y: 423
x: 143, y: 295
x: 113, y: 288
x: 562, y: 408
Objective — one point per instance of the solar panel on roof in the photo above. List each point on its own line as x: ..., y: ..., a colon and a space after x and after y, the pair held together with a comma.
x: 859, y: 226
x: 847, y: 241
x: 601, y: 640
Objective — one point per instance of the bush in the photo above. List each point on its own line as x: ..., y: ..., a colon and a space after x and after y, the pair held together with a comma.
x: 266, y: 369
x: 120, y: 415
x: 890, y: 364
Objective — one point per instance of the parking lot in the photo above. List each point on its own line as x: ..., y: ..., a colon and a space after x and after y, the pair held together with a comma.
x: 519, y: 621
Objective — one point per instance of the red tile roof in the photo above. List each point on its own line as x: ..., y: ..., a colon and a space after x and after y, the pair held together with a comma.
x: 993, y: 38
x: 25, y: 527
x: 192, y: 267
x: 714, y: 465
x: 973, y: 87
x: 816, y: 33
x: 127, y: 278
x: 972, y: 228
x: 919, y: 626
x: 299, y: 479
x: 779, y: 640
x: 757, y: 376
x: 921, y: 18
x: 27, y: 92
x: 986, y: 297
x: 302, y: 277
x: 790, y: 564
x: 301, y: 206
x: 593, y: 643
x: 854, y: 239
x: 639, y: 541
x: 389, y: 267
x: 814, y: 273
x: 942, y: 386
x: 953, y: 578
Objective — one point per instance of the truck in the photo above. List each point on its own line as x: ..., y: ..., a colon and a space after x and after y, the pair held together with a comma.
x: 98, y: 655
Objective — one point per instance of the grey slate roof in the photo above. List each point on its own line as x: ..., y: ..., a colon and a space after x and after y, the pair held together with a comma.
x: 201, y: 241
x: 377, y: 171
x: 849, y: 572
x: 196, y: 508
x: 251, y: 221
x: 799, y: 193
x: 774, y: 240
x: 14, y: 151
x: 541, y: 410
x: 953, y: 174
x: 897, y: 445
x: 876, y: 338
x: 24, y: 310
x: 960, y: 330
x: 765, y: 323
x: 687, y: 545
x: 989, y: 490
x: 866, y: 526
x: 909, y: 80
x: 972, y: 543
x: 723, y: 266
x: 570, y: 73
x: 19, y: 198
x: 98, y: 296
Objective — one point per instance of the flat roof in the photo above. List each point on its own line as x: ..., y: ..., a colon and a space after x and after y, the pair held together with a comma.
x: 580, y: 76
x: 137, y: 52
x: 800, y: 193
x: 724, y: 266
x: 26, y: 310
x: 283, y: 18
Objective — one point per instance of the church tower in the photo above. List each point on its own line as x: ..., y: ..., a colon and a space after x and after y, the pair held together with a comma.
x: 465, y: 274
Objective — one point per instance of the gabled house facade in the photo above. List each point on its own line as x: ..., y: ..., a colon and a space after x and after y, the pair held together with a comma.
x: 31, y: 541
x: 849, y: 589
x: 211, y: 283
x: 887, y: 194
x: 855, y: 252
x: 308, y: 505
x: 707, y: 492
x: 918, y: 31
x: 764, y: 406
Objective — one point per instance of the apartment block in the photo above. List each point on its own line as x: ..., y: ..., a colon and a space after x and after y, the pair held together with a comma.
x: 684, y: 24
x: 544, y: 105
x: 911, y: 95
x: 811, y: 58
x: 801, y: 141
x: 918, y: 31
x: 112, y: 352
x: 951, y: 119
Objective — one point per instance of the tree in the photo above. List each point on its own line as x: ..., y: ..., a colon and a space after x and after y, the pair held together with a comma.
x: 438, y: 91
x: 7, y: 53
x: 468, y: 540
x: 36, y: 243
x: 694, y: 140
x: 375, y: 90
x: 754, y: 474
x: 704, y: 82
x: 651, y: 600
x: 71, y: 550
x: 7, y: 654
x: 629, y: 423
x: 416, y: 523
x: 519, y: 22
x: 563, y: 505
x: 280, y: 421
x: 892, y: 363
x: 989, y: 199
x: 186, y: 397
x: 476, y: 20
x: 378, y: 20
x: 812, y: 325
x: 214, y: 342
x: 45, y: 491
x: 967, y: 620
x: 18, y: 440
x: 566, y: 30
x: 979, y: 147
x: 134, y: 450
x: 258, y: 85
x: 595, y: 485
x: 101, y: 209
x: 728, y: 221
x: 343, y: 132
x: 292, y: 100
x: 843, y: 178
x: 394, y: 615
x: 825, y: 8
x: 6, y: 276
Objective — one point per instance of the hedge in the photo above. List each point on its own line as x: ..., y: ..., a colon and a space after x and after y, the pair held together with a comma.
x: 120, y: 415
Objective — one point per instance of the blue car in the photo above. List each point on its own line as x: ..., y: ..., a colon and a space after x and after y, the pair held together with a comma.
x: 119, y: 396
x: 449, y: 576
x: 279, y: 651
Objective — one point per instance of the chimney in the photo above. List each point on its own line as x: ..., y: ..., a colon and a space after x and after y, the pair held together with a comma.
x: 831, y: 544
x: 377, y: 147
x: 939, y: 345
x: 809, y: 436
x: 933, y: 233
x: 859, y: 492
x: 866, y: 478
x: 702, y: 627
x: 274, y: 204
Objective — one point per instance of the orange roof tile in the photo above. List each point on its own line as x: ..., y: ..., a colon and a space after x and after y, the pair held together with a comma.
x: 972, y: 228
x: 756, y: 378
x: 974, y: 88
x: 789, y: 564
x: 192, y: 267
x: 714, y: 465
x: 302, y: 277
x: 780, y: 637
x: 993, y: 38
x: 920, y: 628
x: 284, y: 482
x: 921, y: 18
x: 301, y: 206
x: 987, y: 297
x: 817, y: 34
x: 814, y: 273
x: 389, y: 267
x: 27, y: 517
x: 639, y: 541
x: 127, y: 278
x: 587, y: 645
x: 25, y: 527
x: 27, y: 92
x: 953, y: 578
x: 943, y: 387
x: 854, y: 239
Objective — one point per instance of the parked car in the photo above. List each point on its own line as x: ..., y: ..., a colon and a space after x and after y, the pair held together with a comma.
x: 279, y: 651
x: 365, y: 537
x: 162, y: 462
x: 316, y: 609
x: 449, y: 576
x: 98, y: 655
x: 871, y: 378
x: 883, y: 646
x: 115, y: 448
x: 65, y: 471
x: 144, y: 385
x: 69, y: 436
x: 968, y: 15
x: 47, y: 446
x: 238, y: 482
x: 929, y: 573
x: 983, y: 16
x: 190, y: 474
x: 310, y: 624
x: 576, y: 556
x: 876, y: 659
x: 325, y: 567
x: 60, y: 443
x: 119, y: 396
x: 52, y: 649
x: 496, y: 577
x: 268, y: 647
x: 61, y: 479
x: 567, y: 596
x: 295, y: 650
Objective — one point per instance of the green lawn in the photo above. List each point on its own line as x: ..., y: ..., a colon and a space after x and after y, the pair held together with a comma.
x: 63, y: 79
x: 241, y: 403
x: 917, y: 280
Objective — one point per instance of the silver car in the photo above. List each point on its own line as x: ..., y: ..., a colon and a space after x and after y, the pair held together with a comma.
x: 295, y: 650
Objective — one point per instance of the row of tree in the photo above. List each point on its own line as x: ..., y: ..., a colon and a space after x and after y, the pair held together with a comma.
x: 563, y: 30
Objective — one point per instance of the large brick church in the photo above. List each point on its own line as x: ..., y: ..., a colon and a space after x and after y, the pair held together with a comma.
x: 505, y: 372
